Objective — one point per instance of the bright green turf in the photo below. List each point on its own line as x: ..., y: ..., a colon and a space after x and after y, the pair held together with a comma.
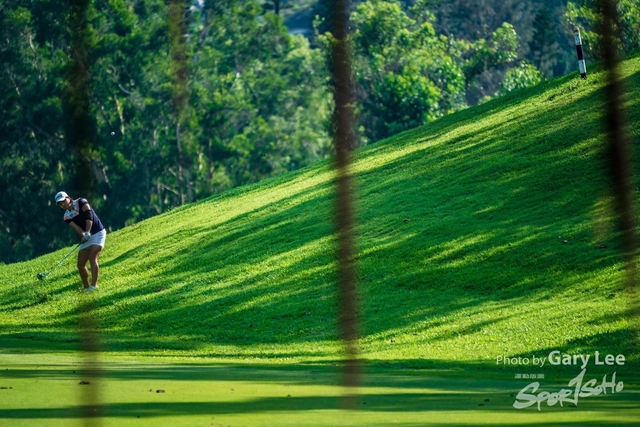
x: 47, y: 391
x: 478, y: 237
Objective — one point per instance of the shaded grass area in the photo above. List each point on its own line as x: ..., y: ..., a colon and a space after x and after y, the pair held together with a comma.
x: 487, y: 232
x: 303, y: 394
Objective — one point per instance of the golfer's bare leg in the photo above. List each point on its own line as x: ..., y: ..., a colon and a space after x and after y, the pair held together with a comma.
x: 94, y: 253
x: 83, y: 257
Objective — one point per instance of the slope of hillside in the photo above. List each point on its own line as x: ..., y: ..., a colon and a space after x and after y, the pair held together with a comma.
x: 485, y: 233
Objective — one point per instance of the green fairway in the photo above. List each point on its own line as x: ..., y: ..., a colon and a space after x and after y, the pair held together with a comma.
x: 487, y: 234
x: 47, y: 391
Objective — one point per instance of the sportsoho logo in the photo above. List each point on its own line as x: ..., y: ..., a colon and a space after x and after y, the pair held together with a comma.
x: 577, y: 387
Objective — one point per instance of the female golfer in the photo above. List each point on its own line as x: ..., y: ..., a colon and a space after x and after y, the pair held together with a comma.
x: 79, y: 215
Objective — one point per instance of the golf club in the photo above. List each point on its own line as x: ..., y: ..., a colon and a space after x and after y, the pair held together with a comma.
x: 41, y: 276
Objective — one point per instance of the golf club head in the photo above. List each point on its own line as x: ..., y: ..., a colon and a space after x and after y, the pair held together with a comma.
x: 41, y: 276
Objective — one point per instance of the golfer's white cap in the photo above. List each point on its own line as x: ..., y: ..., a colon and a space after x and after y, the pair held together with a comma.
x: 61, y: 196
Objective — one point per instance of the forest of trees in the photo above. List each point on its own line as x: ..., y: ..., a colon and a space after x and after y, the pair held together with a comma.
x: 254, y: 101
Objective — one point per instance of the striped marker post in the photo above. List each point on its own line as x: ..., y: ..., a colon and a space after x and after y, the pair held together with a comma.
x: 581, y: 64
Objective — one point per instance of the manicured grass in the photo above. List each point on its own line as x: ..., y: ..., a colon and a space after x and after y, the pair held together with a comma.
x: 48, y: 391
x: 487, y: 233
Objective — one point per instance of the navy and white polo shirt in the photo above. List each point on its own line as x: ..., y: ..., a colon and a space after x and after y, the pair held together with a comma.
x: 76, y: 216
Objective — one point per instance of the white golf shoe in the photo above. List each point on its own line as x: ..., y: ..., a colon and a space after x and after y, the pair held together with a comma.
x: 92, y: 288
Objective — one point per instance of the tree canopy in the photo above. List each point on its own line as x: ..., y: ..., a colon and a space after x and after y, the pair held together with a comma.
x: 176, y: 101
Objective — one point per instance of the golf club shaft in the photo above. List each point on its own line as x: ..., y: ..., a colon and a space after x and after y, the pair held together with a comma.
x: 65, y: 257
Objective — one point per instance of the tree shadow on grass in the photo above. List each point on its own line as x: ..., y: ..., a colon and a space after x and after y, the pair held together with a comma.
x: 381, y: 403
x: 430, y: 392
x: 427, y: 219
x: 438, y: 259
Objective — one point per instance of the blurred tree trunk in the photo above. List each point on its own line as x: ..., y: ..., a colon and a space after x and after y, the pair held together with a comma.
x: 179, y: 79
x: 81, y: 127
x: 344, y: 140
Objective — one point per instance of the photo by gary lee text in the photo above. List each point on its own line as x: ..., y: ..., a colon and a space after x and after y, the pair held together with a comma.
x: 557, y: 358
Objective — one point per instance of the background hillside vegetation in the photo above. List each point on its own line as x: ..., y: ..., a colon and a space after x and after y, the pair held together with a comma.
x: 258, y: 99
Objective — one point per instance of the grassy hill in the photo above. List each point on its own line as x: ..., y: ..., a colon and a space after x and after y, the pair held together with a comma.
x: 483, y: 234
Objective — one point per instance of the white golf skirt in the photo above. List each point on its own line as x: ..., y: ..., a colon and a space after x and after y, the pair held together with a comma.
x: 95, y: 239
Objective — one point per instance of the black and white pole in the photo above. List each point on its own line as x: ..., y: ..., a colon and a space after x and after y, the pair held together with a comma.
x: 581, y: 64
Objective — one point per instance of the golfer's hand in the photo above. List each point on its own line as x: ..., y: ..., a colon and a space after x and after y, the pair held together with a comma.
x: 85, y: 237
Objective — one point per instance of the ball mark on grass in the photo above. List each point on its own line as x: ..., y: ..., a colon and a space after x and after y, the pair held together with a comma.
x: 84, y: 382
x: 160, y: 391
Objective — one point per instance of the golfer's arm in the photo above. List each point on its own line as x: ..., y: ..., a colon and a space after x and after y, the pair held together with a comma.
x: 88, y: 222
x: 77, y: 229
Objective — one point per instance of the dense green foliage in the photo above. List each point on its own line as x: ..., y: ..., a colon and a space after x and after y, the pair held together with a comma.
x: 172, y: 107
x: 254, y: 104
x: 587, y: 14
x: 524, y: 75
x: 543, y: 47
